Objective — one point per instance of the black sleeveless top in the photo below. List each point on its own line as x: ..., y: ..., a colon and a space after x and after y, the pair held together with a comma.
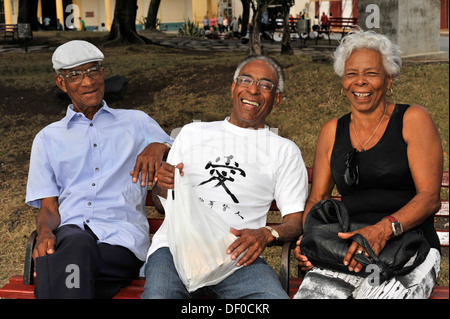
x: 385, y: 181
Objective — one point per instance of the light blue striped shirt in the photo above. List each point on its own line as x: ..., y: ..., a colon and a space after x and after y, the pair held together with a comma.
x: 87, y: 165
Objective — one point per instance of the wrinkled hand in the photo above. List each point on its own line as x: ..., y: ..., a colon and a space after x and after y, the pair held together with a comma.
x: 375, y: 236
x: 252, y: 240
x: 166, y: 175
x: 45, y: 244
x: 148, y: 163
x: 303, y: 262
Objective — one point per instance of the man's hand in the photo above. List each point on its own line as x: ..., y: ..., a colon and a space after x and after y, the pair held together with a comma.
x: 47, y: 220
x: 166, y: 175
x: 148, y: 163
x: 252, y: 240
x: 45, y: 244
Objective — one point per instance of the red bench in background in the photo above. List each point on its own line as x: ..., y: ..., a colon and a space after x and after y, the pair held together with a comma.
x: 22, y: 287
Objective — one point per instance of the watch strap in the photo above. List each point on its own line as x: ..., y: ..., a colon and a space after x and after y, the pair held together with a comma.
x: 273, y: 232
x: 392, y: 219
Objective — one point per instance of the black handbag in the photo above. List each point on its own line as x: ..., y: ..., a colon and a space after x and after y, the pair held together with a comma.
x: 325, y: 249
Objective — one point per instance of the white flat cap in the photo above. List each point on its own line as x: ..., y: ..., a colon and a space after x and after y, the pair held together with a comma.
x: 75, y: 53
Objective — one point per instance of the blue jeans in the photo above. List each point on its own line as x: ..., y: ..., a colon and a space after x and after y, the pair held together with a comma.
x: 256, y: 281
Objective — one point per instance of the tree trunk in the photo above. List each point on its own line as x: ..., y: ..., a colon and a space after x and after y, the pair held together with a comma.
x: 123, y: 28
x: 153, y: 8
x: 255, y: 37
x: 255, y: 47
x: 245, y: 16
x: 27, y: 13
x: 286, y: 45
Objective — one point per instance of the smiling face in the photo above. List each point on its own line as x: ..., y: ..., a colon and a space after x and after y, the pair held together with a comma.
x: 87, y: 95
x: 365, y: 82
x: 251, y: 105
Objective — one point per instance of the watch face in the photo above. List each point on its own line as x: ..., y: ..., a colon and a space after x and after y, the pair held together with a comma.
x: 397, y: 228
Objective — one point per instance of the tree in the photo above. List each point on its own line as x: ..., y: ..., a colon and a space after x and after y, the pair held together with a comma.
x: 123, y: 28
x: 153, y: 8
x: 245, y: 16
x: 27, y: 13
x: 286, y: 46
x: 258, y: 7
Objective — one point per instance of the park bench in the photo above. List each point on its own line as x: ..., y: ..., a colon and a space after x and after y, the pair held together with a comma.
x: 342, y: 25
x: 8, y: 32
x: 22, y: 287
x: 335, y: 25
x: 339, y: 25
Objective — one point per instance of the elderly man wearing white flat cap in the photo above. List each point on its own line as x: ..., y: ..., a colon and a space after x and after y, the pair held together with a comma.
x: 92, y: 231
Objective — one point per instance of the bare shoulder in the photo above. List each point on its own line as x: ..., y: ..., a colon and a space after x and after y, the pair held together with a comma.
x: 417, y: 113
x: 418, y: 124
x: 329, y: 127
x: 326, y: 140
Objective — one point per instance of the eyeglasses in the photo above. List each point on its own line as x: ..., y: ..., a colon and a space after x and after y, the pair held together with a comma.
x: 76, y: 77
x: 351, y: 175
x: 247, y: 81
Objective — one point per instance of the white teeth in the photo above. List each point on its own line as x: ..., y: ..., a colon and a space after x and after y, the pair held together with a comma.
x: 255, y: 104
x: 362, y: 94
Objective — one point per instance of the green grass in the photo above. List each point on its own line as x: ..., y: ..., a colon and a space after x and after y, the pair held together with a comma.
x: 175, y: 88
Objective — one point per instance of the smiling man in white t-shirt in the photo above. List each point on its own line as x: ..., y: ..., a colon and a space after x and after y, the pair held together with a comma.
x: 237, y: 168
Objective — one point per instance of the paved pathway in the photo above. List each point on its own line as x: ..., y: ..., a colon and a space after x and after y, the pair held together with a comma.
x: 321, y: 52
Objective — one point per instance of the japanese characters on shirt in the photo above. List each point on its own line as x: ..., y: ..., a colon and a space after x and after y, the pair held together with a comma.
x: 223, y: 171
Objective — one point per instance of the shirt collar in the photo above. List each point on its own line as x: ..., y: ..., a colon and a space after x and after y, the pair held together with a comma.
x: 71, y: 114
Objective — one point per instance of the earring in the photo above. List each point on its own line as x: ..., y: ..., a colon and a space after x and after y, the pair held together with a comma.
x: 390, y: 91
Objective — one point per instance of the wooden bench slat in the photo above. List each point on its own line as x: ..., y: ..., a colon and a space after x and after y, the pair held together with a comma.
x: 17, y: 291
x: 128, y: 294
x: 440, y: 292
x: 445, y: 179
x: 443, y: 237
x: 443, y: 211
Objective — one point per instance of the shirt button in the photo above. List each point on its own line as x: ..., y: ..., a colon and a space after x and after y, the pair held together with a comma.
x: 92, y: 124
x: 89, y: 203
x: 95, y: 145
x: 93, y: 184
x: 87, y: 221
x: 97, y: 169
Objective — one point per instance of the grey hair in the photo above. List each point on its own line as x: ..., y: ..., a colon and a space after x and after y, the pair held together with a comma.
x: 355, y: 40
x: 267, y: 59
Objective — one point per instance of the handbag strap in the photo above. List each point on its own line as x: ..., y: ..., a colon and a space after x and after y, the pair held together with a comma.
x: 361, y: 258
x: 342, y: 214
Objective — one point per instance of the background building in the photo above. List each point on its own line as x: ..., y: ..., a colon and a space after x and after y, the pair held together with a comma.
x: 173, y: 13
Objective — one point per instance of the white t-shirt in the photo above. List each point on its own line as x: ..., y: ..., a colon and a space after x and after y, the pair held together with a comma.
x: 237, y: 173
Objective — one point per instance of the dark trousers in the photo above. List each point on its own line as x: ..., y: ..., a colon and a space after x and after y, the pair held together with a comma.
x: 82, y: 269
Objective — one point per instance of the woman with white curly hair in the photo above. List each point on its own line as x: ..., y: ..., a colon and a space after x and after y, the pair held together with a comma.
x: 386, y: 161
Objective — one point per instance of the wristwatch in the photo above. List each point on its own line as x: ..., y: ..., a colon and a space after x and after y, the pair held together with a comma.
x: 167, y: 145
x: 397, y: 228
x: 273, y: 232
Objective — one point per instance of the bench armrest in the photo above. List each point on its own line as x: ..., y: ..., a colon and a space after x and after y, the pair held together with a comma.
x: 285, y: 265
x: 28, y: 271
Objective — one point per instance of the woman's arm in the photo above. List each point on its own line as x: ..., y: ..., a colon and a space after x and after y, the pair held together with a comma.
x: 322, y: 181
x: 425, y: 157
